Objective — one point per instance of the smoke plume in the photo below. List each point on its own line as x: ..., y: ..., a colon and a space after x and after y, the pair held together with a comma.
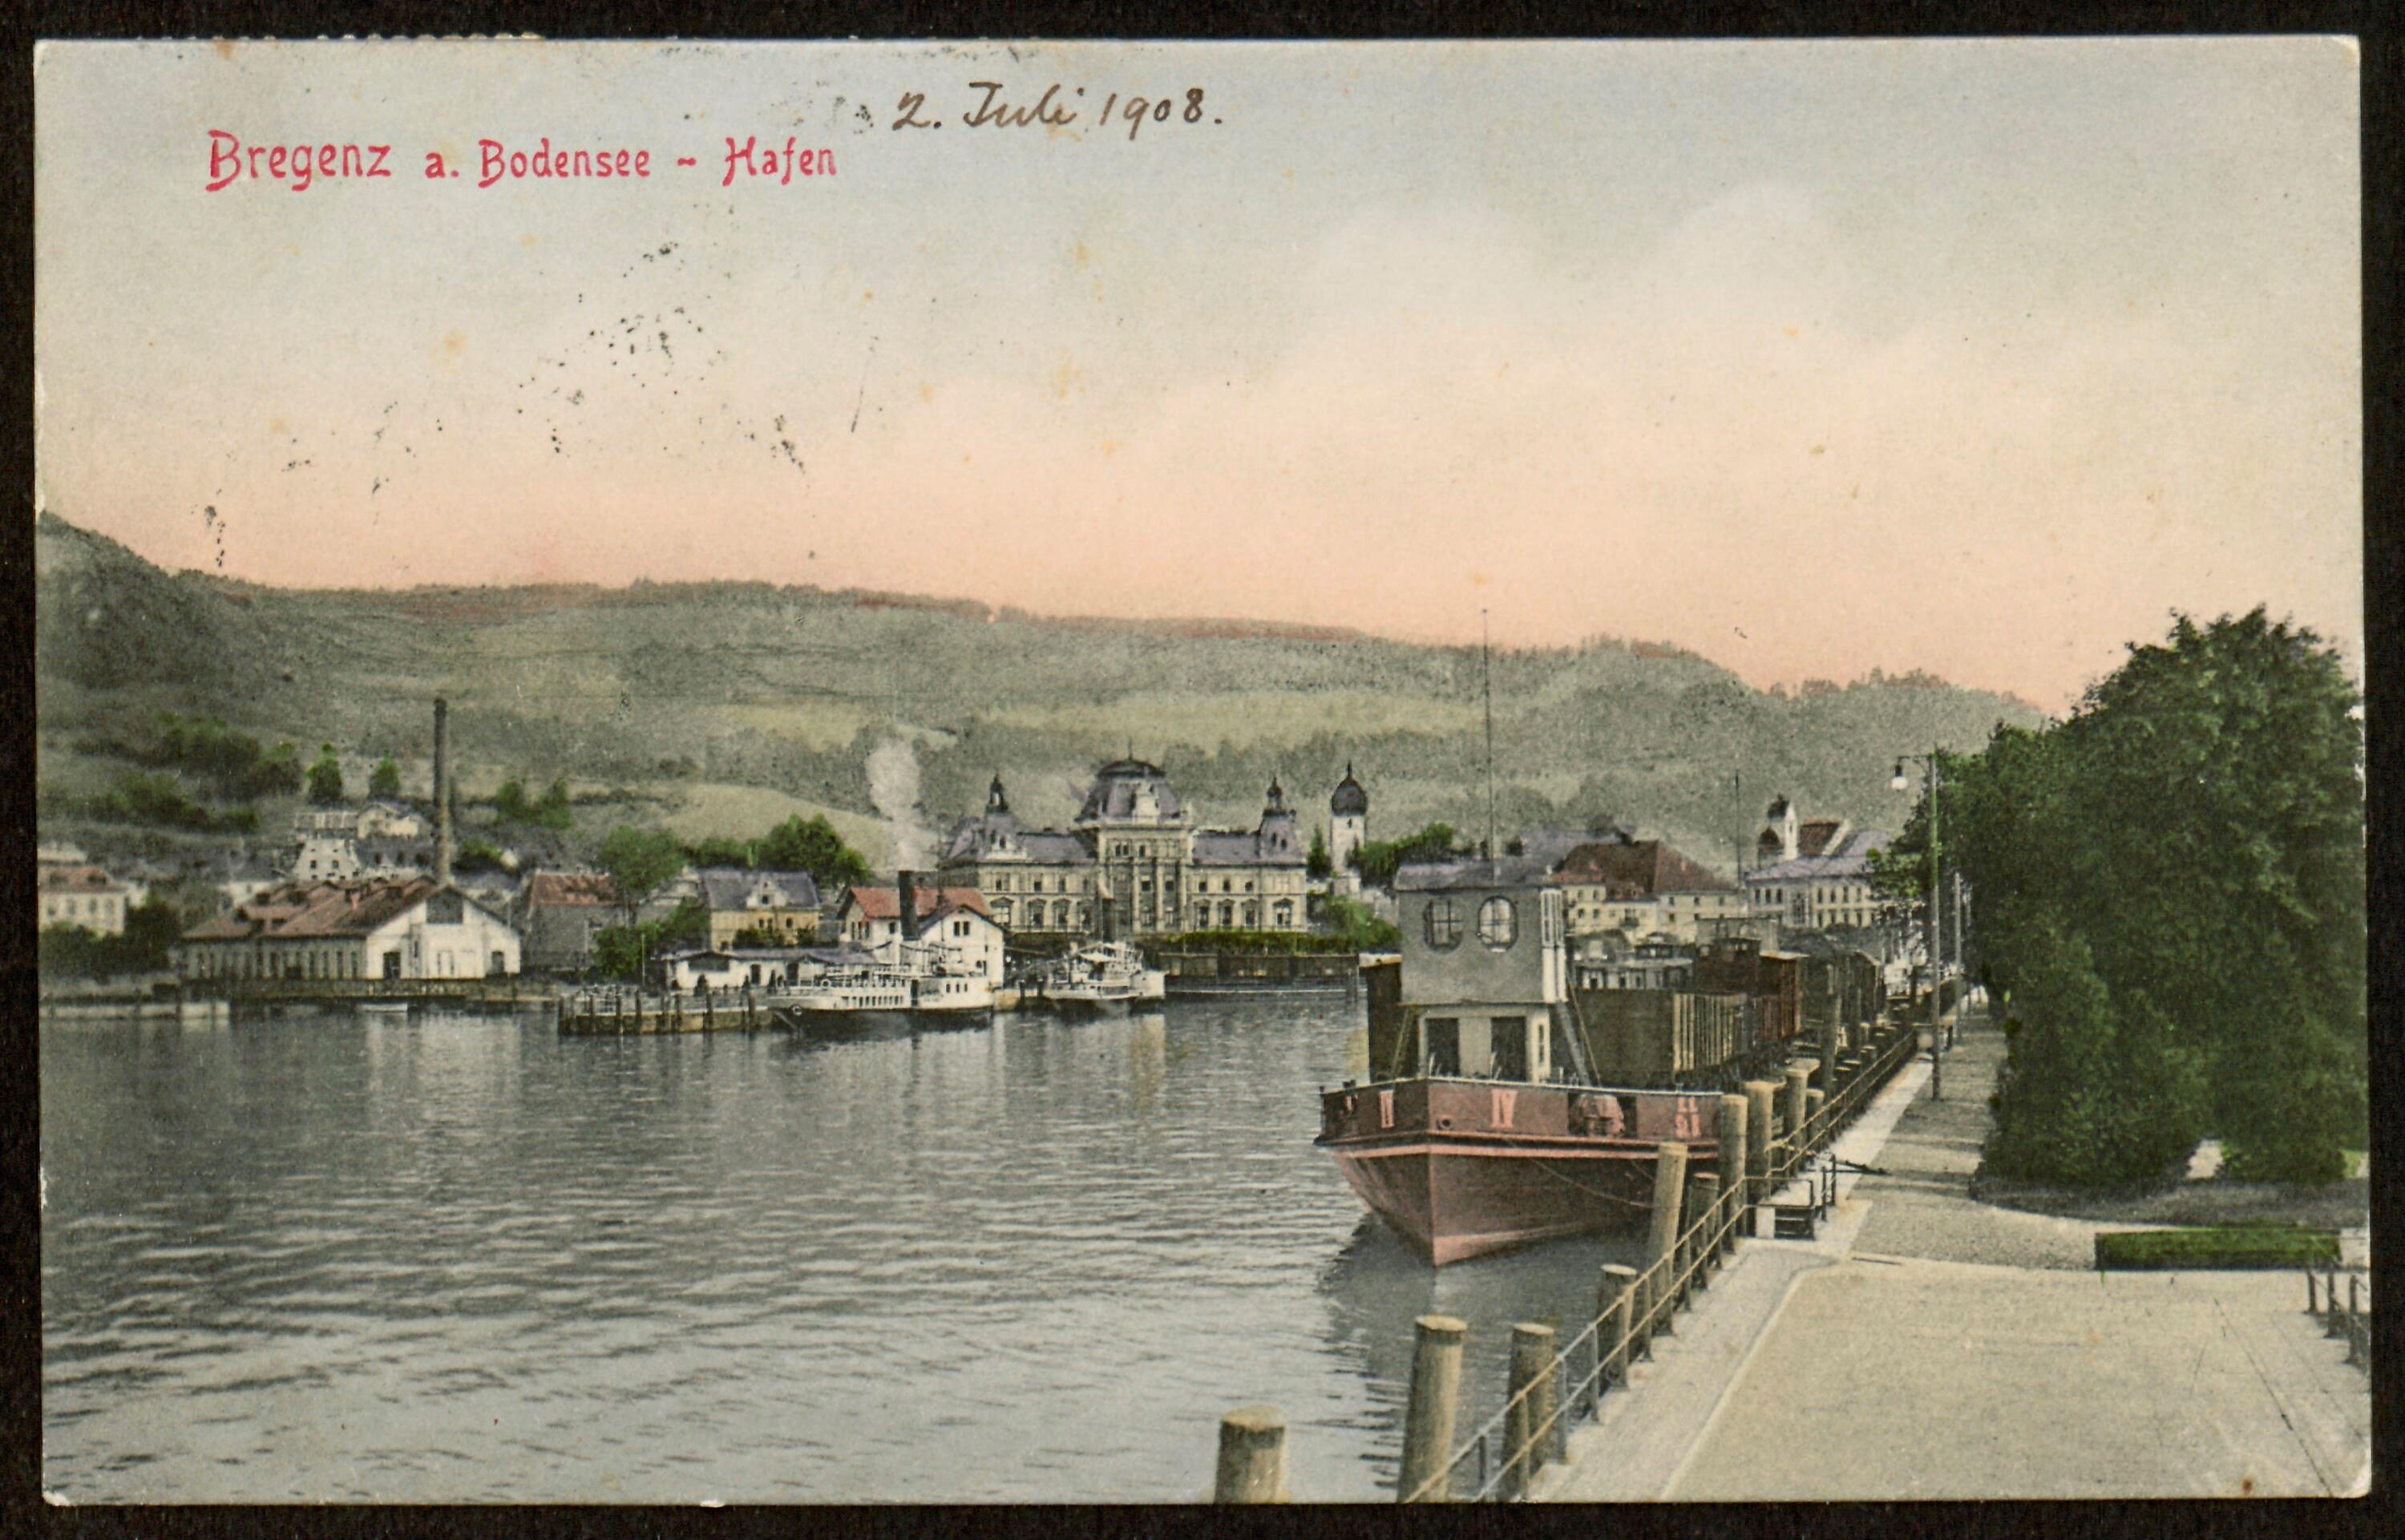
x: 894, y: 789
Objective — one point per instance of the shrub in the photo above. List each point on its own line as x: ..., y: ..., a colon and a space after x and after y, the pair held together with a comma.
x: 2218, y: 1246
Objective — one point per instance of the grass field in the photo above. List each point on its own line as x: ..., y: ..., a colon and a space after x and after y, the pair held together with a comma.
x: 696, y: 810
x: 1246, y: 719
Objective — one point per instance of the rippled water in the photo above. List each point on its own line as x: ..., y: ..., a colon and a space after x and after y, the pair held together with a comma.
x: 450, y: 1257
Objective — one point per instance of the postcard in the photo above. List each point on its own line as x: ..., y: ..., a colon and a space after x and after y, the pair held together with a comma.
x: 825, y: 772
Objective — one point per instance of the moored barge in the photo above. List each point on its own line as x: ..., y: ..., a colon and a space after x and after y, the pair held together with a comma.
x: 1485, y: 1122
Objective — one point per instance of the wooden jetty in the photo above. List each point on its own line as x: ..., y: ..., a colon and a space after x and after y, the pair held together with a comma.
x: 619, y: 1009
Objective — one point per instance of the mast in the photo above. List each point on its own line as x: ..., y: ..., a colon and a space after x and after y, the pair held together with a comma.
x: 1486, y: 689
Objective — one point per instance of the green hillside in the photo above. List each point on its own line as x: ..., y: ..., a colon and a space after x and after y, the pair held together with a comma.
x: 706, y: 704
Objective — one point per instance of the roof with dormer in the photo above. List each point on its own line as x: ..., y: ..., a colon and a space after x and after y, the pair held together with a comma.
x: 738, y: 887
x: 1120, y: 785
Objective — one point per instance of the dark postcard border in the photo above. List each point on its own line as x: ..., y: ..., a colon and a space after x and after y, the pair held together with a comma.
x: 2384, y: 65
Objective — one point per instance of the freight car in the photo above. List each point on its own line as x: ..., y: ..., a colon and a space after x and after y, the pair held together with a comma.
x: 1667, y: 1037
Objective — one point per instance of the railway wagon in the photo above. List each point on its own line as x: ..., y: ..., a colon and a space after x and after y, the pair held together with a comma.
x: 1664, y: 1036
x: 1774, y: 980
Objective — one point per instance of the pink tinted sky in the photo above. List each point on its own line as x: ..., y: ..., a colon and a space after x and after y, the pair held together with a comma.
x: 1972, y: 358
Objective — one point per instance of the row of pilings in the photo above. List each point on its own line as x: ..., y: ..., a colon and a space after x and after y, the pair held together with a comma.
x: 1775, y: 1132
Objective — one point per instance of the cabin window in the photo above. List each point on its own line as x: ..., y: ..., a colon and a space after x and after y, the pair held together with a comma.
x: 1444, y: 925
x: 1498, y: 924
x: 1444, y: 1035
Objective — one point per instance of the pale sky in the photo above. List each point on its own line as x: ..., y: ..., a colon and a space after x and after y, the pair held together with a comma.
x: 1977, y: 357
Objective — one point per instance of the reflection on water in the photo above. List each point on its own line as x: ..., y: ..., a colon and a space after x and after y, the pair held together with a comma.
x: 449, y: 1257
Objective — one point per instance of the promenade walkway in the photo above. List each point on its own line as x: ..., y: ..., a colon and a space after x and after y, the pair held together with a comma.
x: 1930, y: 1346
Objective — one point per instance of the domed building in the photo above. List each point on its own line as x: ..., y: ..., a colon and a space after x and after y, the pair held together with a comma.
x: 1132, y: 863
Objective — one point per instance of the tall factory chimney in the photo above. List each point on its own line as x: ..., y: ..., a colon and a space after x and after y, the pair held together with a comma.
x: 905, y: 895
x: 441, y: 791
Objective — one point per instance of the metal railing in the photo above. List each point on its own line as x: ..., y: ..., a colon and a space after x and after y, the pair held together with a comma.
x: 1512, y: 1444
x: 1662, y: 1287
x: 2349, y: 1320
x: 1820, y: 1129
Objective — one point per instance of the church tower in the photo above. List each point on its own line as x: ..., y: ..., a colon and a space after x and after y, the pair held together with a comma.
x: 1348, y: 819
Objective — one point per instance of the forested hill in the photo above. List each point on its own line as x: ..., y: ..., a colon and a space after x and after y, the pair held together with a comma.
x: 715, y: 705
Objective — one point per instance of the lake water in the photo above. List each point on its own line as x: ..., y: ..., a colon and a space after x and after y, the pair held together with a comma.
x: 449, y: 1257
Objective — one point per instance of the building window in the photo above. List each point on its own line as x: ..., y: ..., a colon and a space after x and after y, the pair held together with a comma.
x: 1442, y: 924
x: 1498, y: 924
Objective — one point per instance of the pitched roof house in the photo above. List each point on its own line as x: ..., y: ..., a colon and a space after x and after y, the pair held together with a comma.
x: 410, y: 927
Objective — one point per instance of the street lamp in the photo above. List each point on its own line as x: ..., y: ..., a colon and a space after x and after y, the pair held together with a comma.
x: 1931, y: 936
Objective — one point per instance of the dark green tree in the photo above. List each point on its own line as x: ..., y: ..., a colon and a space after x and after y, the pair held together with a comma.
x: 385, y: 780
x: 719, y: 850
x: 1315, y: 861
x: 813, y: 845
x: 638, y: 861
x: 554, y: 809
x: 510, y: 803
x: 326, y: 777
x: 2196, y: 825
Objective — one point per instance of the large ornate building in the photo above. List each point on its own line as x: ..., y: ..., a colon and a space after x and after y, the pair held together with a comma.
x: 1132, y: 864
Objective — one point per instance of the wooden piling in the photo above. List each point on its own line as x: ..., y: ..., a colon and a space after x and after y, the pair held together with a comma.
x: 1790, y: 1111
x: 1616, y: 1313
x: 2331, y: 1324
x: 1662, y: 1236
x: 1831, y: 1033
x: 1733, y: 1162
x: 1814, y: 1100
x: 1704, y: 1206
x: 1762, y: 1135
x: 1436, y: 1399
x: 1524, y: 1445
x: 1252, y: 1456
x: 2312, y: 1293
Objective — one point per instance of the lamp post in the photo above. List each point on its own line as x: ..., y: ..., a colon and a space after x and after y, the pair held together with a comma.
x: 1932, y: 934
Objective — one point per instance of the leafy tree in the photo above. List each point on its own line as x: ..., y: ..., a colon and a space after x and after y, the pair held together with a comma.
x: 813, y: 845
x: 476, y: 855
x: 232, y: 763
x: 510, y: 803
x: 2092, y: 1096
x: 1358, y: 926
x: 720, y: 851
x: 2196, y: 826
x: 385, y: 780
x: 554, y: 810
x: 1378, y: 860
x: 155, y: 798
x: 1315, y: 861
x: 758, y: 936
x: 72, y: 952
x: 326, y: 777
x: 638, y: 861
x: 622, y: 951
x: 687, y: 925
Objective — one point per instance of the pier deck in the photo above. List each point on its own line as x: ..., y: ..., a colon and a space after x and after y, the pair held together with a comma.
x: 1925, y: 1345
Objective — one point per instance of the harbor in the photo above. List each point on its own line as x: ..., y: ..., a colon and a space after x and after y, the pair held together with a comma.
x: 463, y: 1255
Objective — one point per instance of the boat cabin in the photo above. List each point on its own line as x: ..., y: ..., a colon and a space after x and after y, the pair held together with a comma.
x: 1482, y: 982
